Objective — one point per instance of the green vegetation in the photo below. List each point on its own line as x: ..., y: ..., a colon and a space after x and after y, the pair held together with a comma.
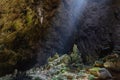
x: 19, y: 31
x: 64, y: 68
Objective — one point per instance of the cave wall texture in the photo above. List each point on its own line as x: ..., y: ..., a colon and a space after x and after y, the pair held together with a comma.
x: 44, y: 27
x: 96, y: 30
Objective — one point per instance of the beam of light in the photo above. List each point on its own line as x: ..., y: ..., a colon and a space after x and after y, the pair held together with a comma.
x: 77, y: 8
x: 64, y: 28
x: 75, y: 11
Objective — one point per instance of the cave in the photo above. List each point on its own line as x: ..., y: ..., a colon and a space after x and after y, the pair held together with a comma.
x: 32, y: 32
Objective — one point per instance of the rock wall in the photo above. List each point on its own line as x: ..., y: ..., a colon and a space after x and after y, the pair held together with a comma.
x: 94, y: 33
x: 92, y: 29
x: 19, y: 32
x: 116, y: 26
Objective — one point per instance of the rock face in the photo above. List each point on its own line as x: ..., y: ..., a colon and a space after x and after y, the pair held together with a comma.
x: 116, y: 26
x: 94, y: 37
x: 19, y: 32
x: 91, y: 26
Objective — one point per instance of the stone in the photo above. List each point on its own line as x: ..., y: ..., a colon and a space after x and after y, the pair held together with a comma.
x: 101, y: 73
x: 98, y: 64
x: 104, y: 74
x: 112, y: 65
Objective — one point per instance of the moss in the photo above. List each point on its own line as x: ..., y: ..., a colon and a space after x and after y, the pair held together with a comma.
x: 18, y: 24
x: 75, y: 55
x: 29, y: 16
x: 18, y: 31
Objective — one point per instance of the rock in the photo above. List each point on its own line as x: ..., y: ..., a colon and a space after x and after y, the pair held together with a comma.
x: 112, y: 62
x: 101, y: 73
x: 70, y: 76
x: 111, y: 57
x: 98, y: 64
x: 55, y: 61
x: 18, y: 34
x: 112, y: 65
x: 104, y: 73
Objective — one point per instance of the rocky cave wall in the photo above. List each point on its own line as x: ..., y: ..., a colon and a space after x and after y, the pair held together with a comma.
x: 116, y: 26
x: 93, y: 31
x: 94, y: 39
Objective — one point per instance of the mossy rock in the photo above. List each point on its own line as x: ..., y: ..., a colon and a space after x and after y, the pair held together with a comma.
x: 19, y: 32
